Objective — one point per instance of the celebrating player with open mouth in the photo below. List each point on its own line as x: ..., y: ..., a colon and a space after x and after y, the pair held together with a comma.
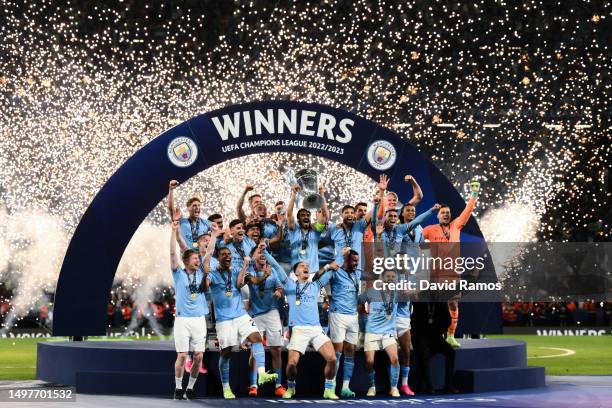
x: 343, y: 322
x: 380, y: 332
x: 264, y: 292
x: 233, y: 324
x: 306, y: 330
x: 191, y: 311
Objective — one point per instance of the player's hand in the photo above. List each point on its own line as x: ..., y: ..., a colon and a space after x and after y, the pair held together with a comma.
x: 436, y: 207
x: 173, y: 184
x: 176, y: 214
x: 247, y: 260
x: 249, y: 187
x: 175, y: 226
x: 377, y: 199
x: 334, y: 265
x: 321, y: 189
x: 345, y: 251
x: 474, y: 187
x: 278, y: 293
x: 295, y: 188
x: 408, y: 178
x: 262, y: 245
x: 383, y: 182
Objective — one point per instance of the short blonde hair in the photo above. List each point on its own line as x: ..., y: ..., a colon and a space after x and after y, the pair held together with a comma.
x: 193, y: 200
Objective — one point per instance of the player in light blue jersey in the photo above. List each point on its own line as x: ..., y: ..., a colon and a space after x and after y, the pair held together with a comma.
x: 380, y: 330
x: 349, y: 234
x: 193, y: 226
x: 238, y: 243
x: 191, y: 311
x: 326, y: 249
x: 264, y: 292
x: 345, y: 283
x: 392, y: 235
x: 233, y: 324
x: 203, y: 241
x: 303, y: 236
x: 410, y: 246
x: 302, y: 296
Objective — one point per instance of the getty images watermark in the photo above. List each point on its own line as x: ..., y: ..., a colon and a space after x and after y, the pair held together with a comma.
x: 493, y: 271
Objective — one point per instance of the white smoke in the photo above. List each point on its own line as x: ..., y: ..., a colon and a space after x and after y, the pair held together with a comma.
x: 506, y: 228
x: 32, y: 246
x: 145, y: 266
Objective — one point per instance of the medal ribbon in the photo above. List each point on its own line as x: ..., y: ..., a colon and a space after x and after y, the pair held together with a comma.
x: 391, y: 238
x: 228, y: 282
x: 192, y: 284
x: 348, y: 238
x: 388, y: 305
x: 305, y: 238
x: 298, y: 292
x: 412, y: 234
x: 239, y: 249
x: 355, y: 282
x: 195, y: 230
x: 262, y: 288
x: 445, y: 232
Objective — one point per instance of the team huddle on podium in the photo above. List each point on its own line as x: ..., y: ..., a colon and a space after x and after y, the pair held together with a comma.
x: 286, y: 259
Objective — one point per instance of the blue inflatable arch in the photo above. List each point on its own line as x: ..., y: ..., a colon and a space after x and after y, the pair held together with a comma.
x: 183, y: 151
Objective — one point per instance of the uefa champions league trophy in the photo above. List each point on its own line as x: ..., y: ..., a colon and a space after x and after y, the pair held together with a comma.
x: 307, y: 179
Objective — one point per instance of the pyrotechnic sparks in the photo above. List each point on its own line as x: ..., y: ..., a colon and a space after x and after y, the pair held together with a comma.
x: 521, y: 90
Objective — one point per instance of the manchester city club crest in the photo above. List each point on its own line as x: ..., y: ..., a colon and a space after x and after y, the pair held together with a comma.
x: 381, y: 155
x: 182, y: 152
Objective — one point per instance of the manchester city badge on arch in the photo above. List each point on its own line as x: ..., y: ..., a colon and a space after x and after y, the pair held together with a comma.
x: 182, y: 152
x: 381, y: 155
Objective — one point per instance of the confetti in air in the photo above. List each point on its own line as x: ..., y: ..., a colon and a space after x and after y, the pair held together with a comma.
x: 512, y: 94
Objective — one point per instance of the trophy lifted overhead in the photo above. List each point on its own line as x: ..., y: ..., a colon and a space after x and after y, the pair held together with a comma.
x: 308, y: 180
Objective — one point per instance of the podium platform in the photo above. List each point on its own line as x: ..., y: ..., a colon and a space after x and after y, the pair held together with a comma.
x: 146, y: 368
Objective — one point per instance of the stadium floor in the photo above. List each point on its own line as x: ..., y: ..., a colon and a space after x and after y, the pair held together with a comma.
x: 565, y: 391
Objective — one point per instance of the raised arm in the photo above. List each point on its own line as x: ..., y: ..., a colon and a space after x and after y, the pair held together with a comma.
x: 239, y: 211
x: 245, y: 265
x: 463, y: 218
x: 378, y: 197
x: 330, y: 266
x: 279, y: 235
x: 279, y: 272
x: 417, y: 193
x: 374, y: 220
x: 324, y: 208
x: 174, y: 259
x: 422, y: 217
x: 176, y: 215
x: 210, y: 250
x: 171, y: 186
x: 256, y: 280
x: 290, y: 218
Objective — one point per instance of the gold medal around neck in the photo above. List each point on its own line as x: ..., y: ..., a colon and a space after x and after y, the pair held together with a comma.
x: 195, y: 244
x: 228, y: 293
x: 298, y: 302
x: 430, y: 321
x: 388, y: 317
x: 193, y: 296
x: 302, y: 252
